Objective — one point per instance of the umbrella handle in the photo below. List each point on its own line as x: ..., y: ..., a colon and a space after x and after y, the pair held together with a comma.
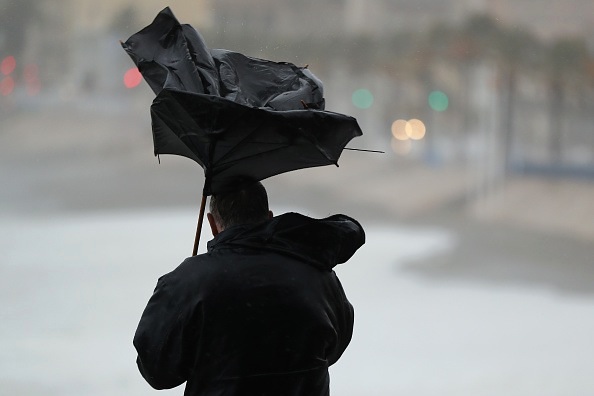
x: 199, y: 226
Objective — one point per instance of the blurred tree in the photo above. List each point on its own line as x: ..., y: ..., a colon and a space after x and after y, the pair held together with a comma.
x: 15, y: 19
x: 511, y: 50
x: 516, y: 51
x: 465, y: 50
x: 125, y: 21
x: 464, y: 47
x: 484, y: 32
x: 565, y: 66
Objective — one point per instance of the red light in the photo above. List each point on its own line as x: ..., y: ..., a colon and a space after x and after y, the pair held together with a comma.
x: 132, y: 78
x: 30, y: 73
x: 31, y: 77
x: 33, y: 88
x: 6, y: 86
x: 8, y: 64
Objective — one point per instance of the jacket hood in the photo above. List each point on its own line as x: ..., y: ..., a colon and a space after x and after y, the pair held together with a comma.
x: 323, y: 243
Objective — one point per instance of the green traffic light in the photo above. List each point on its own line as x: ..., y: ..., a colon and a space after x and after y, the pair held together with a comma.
x: 362, y: 98
x: 438, y: 101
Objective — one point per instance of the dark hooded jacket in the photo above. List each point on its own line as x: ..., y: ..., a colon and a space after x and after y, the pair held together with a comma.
x: 261, y: 313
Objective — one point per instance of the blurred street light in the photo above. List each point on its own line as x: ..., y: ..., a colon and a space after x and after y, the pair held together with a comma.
x: 132, y: 78
x: 7, y: 65
x: 362, y: 98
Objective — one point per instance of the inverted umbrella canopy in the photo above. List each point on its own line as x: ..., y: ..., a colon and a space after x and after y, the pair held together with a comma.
x: 240, y: 118
x: 233, y: 142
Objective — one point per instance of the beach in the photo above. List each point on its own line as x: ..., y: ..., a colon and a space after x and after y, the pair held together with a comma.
x: 458, y: 290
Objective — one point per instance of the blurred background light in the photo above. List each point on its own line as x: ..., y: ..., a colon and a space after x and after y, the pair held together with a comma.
x: 6, y: 86
x: 31, y: 77
x: 132, y: 77
x: 7, y: 65
x: 415, y: 129
x: 399, y: 130
x: 438, y: 101
x: 362, y: 98
x: 33, y: 88
x: 401, y: 147
x: 31, y: 72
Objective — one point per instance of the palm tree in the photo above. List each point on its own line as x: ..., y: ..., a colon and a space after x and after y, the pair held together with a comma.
x: 516, y: 52
x: 565, y: 66
x: 15, y: 19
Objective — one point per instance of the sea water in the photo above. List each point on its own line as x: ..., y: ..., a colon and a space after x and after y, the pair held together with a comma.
x: 72, y: 288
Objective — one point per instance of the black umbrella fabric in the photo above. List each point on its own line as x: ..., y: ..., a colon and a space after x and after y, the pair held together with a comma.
x: 175, y: 56
x: 240, y: 118
x: 233, y: 142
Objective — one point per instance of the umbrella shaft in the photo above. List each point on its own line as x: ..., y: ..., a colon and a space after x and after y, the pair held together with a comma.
x: 199, y: 226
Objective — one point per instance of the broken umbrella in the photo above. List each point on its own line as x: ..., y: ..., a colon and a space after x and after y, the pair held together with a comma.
x: 240, y: 118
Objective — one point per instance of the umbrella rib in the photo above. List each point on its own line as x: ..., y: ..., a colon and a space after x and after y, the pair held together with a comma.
x: 309, y: 136
x: 188, y: 142
x: 221, y: 161
x: 235, y: 121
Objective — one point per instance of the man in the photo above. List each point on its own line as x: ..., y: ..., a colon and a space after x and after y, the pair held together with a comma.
x: 261, y: 313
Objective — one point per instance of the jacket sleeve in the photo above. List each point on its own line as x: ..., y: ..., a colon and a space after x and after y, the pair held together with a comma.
x: 343, y: 318
x: 167, y: 335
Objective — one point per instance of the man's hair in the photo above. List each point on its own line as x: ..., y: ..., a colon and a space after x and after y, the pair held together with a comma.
x: 248, y: 205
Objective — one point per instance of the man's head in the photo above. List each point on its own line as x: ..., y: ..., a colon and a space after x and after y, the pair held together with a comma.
x: 249, y: 205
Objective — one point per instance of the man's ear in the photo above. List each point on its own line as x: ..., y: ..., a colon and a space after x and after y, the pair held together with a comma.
x: 213, y: 224
x: 270, y: 215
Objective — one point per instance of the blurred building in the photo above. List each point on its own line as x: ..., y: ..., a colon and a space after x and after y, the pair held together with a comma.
x: 380, y: 18
x: 74, y: 45
x: 325, y: 20
x: 71, y: 37
x: 547, y: 19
